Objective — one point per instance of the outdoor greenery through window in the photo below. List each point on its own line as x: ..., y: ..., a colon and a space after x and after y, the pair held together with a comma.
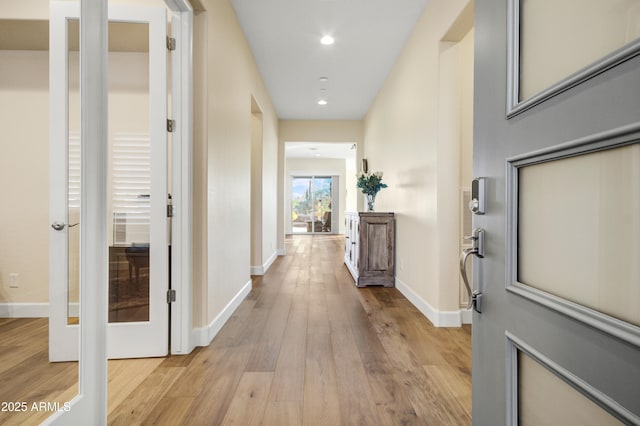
x: 311, y: 205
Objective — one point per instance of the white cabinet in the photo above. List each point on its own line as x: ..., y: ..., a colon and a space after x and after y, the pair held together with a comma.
x: 370, y: 248
x: 352, y: 243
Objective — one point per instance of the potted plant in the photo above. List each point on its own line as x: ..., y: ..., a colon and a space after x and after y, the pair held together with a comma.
x: 370, y: 184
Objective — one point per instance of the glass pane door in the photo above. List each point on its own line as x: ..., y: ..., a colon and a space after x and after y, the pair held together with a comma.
x: 137, y: 224
x: 137, y: 188
x: 322, y: 194
x: 311, y: 204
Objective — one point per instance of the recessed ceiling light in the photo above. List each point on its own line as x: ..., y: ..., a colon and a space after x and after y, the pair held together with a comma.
x: 327, y: 40
x: 323, y: 79
x: 322, y: 102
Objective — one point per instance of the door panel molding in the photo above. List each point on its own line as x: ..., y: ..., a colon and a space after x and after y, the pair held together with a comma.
x: 514, y: 345
x: 623, y: 136
x: 620, y: 329
x: 514, y: 105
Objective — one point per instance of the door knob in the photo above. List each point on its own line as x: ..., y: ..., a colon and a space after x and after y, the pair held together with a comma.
x: 59, y: 226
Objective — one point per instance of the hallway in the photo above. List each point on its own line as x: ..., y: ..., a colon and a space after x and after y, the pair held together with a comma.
x: 305, y: 347
x: 308, y: 347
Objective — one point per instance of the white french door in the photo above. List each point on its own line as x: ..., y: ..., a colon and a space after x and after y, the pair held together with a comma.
x: 137, y: 183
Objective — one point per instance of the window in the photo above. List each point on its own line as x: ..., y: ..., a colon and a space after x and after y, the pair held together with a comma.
x: 131, y: 188
x: 73, y: 170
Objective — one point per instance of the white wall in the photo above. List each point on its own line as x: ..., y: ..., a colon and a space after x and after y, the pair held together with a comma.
x: 24, y: 169
x: 412, y: 133
x: 25, y: 9
x: 200, y: 248
x: 24, y: 164
x: 229, y: 78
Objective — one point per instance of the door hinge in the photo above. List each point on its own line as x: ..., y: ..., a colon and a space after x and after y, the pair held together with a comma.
x: 171, y: 296
x: 171, y: 43
x: 170, y: 125
x: 169, y: 210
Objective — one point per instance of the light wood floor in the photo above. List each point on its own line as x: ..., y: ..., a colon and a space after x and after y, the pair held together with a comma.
x: 305, y: 347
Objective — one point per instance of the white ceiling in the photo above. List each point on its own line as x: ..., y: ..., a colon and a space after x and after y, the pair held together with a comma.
x: 284, y: 36
x: 320, y: 150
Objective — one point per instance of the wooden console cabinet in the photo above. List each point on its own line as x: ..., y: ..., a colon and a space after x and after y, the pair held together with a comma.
x: 370, y: 248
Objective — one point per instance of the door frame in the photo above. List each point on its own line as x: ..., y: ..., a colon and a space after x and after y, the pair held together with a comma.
x: 90, y: 404
x: 180, y: 314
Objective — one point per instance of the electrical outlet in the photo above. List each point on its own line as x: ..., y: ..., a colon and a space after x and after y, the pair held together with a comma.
x: 13, y: 280
x: 401, y: 264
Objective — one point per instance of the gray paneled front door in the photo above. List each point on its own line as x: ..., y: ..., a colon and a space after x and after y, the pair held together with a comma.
x: 557, y: 137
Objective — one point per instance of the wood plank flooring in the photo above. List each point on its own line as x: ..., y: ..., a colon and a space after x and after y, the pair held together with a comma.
x: 306, y: 347
x: 26, y: 376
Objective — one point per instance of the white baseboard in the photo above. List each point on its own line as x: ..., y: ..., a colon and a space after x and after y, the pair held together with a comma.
x: 24, y: 310
x: 32, y: 310
x: 282, y: 252
x: 204, y: 335
x: 261, y: 270
x: 438, y: 318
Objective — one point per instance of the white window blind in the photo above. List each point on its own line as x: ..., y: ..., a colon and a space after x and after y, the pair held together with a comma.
x: 131, y: 180
x: 73, y: 170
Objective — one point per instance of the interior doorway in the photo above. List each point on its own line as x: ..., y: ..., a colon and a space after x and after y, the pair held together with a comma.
x: 313, y: 170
